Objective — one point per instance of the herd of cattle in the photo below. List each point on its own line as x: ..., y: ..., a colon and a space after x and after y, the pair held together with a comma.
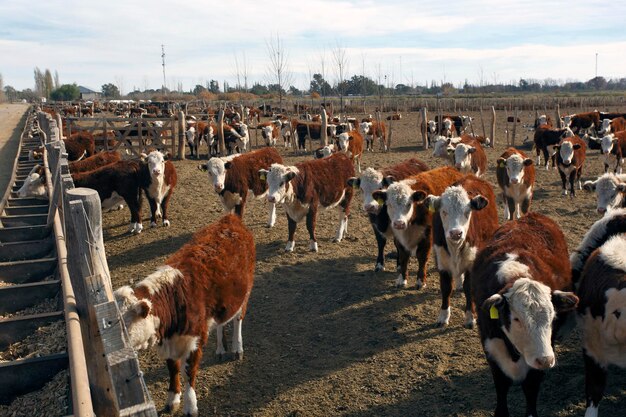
x: 518, y: 274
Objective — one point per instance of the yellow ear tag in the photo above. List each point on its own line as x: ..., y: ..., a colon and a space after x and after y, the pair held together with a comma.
x: 380, y: 202
x: 493, y: 313
x: 502, y: 164
x: 355, y: 186
x: 431, y: 207
x: 262, y: 176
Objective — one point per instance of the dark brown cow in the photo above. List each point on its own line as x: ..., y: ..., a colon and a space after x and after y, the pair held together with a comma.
x: 78, y: 146
x: 306, y: 186
x: 516, y: 177
x: 583, y: 121
x: 411, y: 220
x: 521, y: 281
x: 372, y: 180
x: 95, y: 161
x: 546, y: 139
x: 86, y: 112
x: 234, y: 175
x: 201, y: 286
x: 395, y: 116
x: 570, y: 161
x: 466, y: 217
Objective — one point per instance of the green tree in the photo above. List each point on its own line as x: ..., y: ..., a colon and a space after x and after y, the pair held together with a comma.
x: 214, y: 87
x: 199, y: 89
x: 10, y: 93
x: 110, y: 90
x: 67, y: 92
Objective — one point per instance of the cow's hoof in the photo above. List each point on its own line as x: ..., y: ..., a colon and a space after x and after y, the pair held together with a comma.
x: 166, y: 223
x: 470, y: 324
x: 173, y: 402
x: 379, y: 267
x: 153, y: 224
x: 401, y: 282
x: 238, y: 355
x: 419, y: 284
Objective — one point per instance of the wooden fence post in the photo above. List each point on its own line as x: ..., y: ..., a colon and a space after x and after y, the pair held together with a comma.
x: 493, y: 127
x: 515, y: 116
x: 59, y: 125
x: 220, y: 132
x: 324, y: 128
x: 482, y: 122
x: 182, y: 128
x: 424, y: 127
x: 558, y: 116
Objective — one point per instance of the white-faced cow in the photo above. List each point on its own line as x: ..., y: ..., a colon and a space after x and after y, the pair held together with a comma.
x: 411, y: 220
x: 610, y: 191
x: 372, y: 180
x: 465, y: 217
x: 201, y: 287
x: 470, y: 157
x: 614, y: 151
x: 351, y: 143
x: 521, y: 281
x: 163, y: 179
x: 570, y: 161
x: 306, y: 186
x: 516, y: 177
x: 546, y: 139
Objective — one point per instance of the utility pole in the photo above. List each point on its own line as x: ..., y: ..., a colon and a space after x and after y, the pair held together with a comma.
x: 596, y: 65
x: 163, y: 63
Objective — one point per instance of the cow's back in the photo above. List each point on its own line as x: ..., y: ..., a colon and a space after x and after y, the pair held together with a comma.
x: 324, y: 179
x: 405, y: 169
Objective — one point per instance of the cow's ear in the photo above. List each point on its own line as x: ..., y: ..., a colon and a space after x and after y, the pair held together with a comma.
x: 167, y: 156
x: 289, y: 176
x: 418, y: 196
x: 615, y: 140
x: 263, y: 174
x: 564, y: 301
x: 557, y: 147
x: 471, y: 149
x: 495, y: 301
x: 388, y: 180
x: 528, y: 162
x: 354, y: 182
x: 621, y: 187
x: 576, y: 146
x: 478, y: 203
x: 379, y: 196
x: 350, y: 138
x: 42, y: 179
x: 228, y: 165
x: 589, y: 186
x: 433, y: 203
x: 501, y: 163
x: 142, y: 308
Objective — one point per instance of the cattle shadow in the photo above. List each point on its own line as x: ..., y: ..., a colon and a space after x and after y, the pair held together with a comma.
x: 147, y: 251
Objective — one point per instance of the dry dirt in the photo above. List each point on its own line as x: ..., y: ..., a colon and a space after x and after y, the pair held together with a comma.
x: 325, y: 335
x: 12, y: 118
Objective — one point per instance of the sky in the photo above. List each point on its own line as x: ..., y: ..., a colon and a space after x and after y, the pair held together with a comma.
x: 410, y: 42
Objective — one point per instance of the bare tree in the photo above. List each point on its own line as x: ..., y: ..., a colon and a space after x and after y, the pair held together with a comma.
x: 119, y: 82
x: 278, y: 70
x: 242, y: 72
x: 1, y: 89
x: 340, y: 59
x: 48, y: 83
x: 323, y: 72
x: 39, y: 81
x: 57, y: 84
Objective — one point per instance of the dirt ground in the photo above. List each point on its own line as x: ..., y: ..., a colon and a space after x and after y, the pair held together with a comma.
x: 11, y: 124
x: 325, y: 335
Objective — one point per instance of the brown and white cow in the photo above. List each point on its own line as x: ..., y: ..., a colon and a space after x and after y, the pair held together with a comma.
x: 78, y: 146
x: 95, y: 161
x: 411, y: 220
x: 395, y: 116
x: 444, y: 148
x: 201, y: 287
x: 466, y: 216
x: 159, y: 190
x: 516, y: 177
x: 580, y: 122
x: 306, y: 186
x: 613, y: 148
x: 610, y: 191
x: 233, y: 176
x: 570, y: 161
x: 351, y: 143
x: 34, y: 185
x: 469, y: 156
x: 302, y: 131
x: 372, y: 180
x: 372, y: 131
x: 546, y: 139
x: 521, y: 281
x: 602, y: 316
x: 270, y: 132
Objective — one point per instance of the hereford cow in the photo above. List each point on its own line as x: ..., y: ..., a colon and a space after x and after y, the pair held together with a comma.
x: 78, y: 146
x: 372, y: 131
x: 570, y: 161
x: 234, y: 175
x: 516, y: 177
x: 411, y: 220
x: 457, y: 126
x: 602, y: 315
x: 544, y: 120
x: 395, y: 116
x: 614, y: 151
x: 200, y: 287
x: 610, y: 191
x: 521, y: 281
x: 351, y: 143
x: 325, y: 151
x: 372, y: 180
x: 546, y: 139
x: 465, y: 218
x: 34, y: 185
x: 304, y: 187
x: 95, y: 161
x: 159, y: 190
x: 469, y: 156
x: 270, y: 133
x: 444, y: 148
x: 580, y: 122
x: 302, y: 132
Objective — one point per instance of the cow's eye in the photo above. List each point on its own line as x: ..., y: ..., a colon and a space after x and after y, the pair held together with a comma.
x: 515, y: 319
x: 444, y: 213
x: 617, y: 314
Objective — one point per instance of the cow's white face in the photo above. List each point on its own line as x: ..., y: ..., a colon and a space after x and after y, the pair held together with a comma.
x: 344, y: 141
x: 605, y: 127
x: 607, y: 143
x: 542, y: 120
x: 609, y: 192
x: 140, y: 324
x: 325, y: 151
x: 463, y: 157
x: 278, y: 178
x: 444, y: 147
x: 566, y: 150
x: 268, y: 134
x: 243, y: 129
x: 400, y: 199
x: 365, y: 128
x: 447, y: 124
x: 466, y: 120
x: 527, y: 322
x: 432, y: 126
x: 567, y: 121
x: 190, y: 134
x: 370, y: 181
x: 216, y: 168
x: 455, y: 208
x: 614, y: 322
x: 332, y: 130
x: 515, y: 165
x: 156, y: 163
x: 34, y: 186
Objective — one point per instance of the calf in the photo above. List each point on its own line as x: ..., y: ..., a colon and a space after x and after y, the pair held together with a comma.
x: 302, y: 132
x: 469, y: 156
x: 610, y: 191
x: 516, y: 177
x: 583, y: 121
x: 602, y: 315
x: 307, y: 185
x: 34, y: 184
x: 411, y: 220
x: 465, y: 218
x: 614, y: 147
x: 544, y: 120
x: 458, y: 123
x: 373, y: 130
x: 200, y: 287
x: 233, y: 176
x: 270, y: 133
x: 546, y: 139
x: 570, y: 161
x: 521, y: 280
x: 351, y: 143
x: 159, y: 190
x: 96, y: 161
x: 372, y: 180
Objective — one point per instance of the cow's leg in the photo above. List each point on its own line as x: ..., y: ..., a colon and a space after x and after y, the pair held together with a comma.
x: 538, y: 151
x: 530, y: 386
x: 220, y: 351
x: 403, y: 262
x: 470, y: 321
x: 546, y: 157
x: 343, y: 225
x: 381, y: 242
x: 311, y: 217
x: 237, y: 347
x: 291, y: 226
x: 153, y: 209
x: 445, y: 285
x: 579, y: 173
x: 165, y: 205
x: 564, y: 181
x: 422, y: 253
x: 595, y: 383
x: 173, y: 392
x: 272, y: 219
x: 134, y: 206
x: 502, y: 384
x: 510, y: 203
x: 525, y: 206
x: 191, y: 370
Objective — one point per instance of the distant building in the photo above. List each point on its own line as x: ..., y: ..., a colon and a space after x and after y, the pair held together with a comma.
x: 88, y: 94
